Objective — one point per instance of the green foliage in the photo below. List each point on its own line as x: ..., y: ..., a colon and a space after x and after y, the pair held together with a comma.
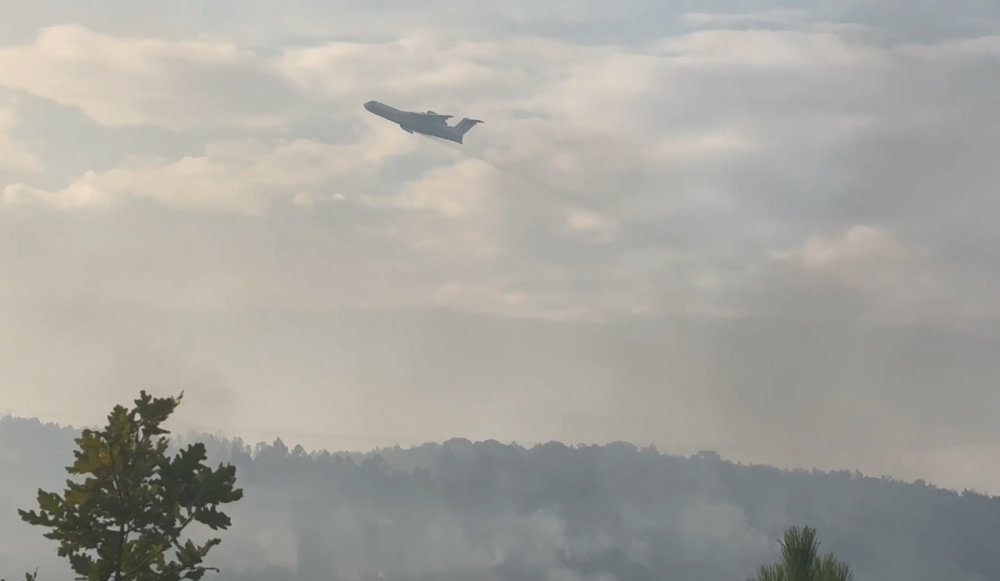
x: 801, y: 561
x: 135, y: 502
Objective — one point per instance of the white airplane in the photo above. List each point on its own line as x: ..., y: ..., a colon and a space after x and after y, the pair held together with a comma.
x: 429, y: 123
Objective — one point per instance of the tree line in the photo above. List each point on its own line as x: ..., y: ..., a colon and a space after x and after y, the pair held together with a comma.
x: 127, y: 514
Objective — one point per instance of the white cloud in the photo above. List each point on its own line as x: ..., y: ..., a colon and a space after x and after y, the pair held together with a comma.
x: 607, y: 89
x: 598, y: 227
x: 15, y: 156
x: 964, y: 49
x: 238, y: 176
x: 860, y: 245
x: 863, y: 271
x: 309, y: 200
x: 638, y: 148
x: 803, y: 51
x: 144, y: 81
x: 82, y: 193
x: 430, y: 68
x: 706, y: 145
x: 735, y: 20
x: 450, y: 215
x: 461, y: 190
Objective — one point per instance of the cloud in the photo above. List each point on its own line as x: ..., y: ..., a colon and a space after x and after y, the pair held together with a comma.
x: 146, y: 81
x: 643, y: 150
x: 861, y: 246
x: 799, y: 50
x: 802, y: 171
x: 14, y: 155
x: 963, y: 49
x: 80, y: 194
x: 452, y: 191
x: 235, y: 176
x: 424, y: 66
x: 777, y: 16
x: 599, y: 228
x: 862, y: 273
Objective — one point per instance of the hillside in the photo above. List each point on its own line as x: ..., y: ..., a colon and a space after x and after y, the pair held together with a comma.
x: 486, y: 510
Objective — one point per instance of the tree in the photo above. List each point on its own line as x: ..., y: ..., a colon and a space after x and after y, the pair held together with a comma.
x: 800, y: 561
x: 136, y: 502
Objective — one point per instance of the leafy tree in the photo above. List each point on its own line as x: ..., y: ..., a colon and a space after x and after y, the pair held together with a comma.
x: 135, y: 502
x: 800, y: 561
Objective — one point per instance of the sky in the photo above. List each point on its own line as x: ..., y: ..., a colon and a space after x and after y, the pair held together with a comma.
x: 761, y: 228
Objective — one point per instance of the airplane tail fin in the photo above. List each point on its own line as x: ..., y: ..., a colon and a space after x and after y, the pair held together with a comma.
x: 463, y: 126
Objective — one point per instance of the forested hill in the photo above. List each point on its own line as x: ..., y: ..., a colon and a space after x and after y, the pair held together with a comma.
x: 469, y: 511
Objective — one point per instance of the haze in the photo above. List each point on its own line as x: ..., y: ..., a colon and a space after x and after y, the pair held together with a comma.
x: 765, y: 229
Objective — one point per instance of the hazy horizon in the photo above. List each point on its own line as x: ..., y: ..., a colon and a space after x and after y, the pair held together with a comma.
x: 485, y: 511
x: 366, y: 444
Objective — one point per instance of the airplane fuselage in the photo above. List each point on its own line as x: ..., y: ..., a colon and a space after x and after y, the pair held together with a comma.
x: 426, y: 123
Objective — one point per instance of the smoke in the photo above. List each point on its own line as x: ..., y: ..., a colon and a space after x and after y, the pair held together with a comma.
x: 489, y: 511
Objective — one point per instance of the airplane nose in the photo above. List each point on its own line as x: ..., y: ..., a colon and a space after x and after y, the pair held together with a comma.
x: 369, y: 105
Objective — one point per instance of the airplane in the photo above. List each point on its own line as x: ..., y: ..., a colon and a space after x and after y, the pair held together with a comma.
x: 429, y: 123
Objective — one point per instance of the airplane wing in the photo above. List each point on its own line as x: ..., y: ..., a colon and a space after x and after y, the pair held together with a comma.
x: 434, y: 115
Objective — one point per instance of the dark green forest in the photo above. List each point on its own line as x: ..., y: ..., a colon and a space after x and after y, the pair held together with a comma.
x: 486, y: 510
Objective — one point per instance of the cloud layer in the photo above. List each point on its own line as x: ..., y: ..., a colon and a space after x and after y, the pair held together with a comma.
x: 821, y: 168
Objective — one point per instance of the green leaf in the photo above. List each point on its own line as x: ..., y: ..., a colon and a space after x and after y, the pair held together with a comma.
x: 134, y: 501
x: 213, y: 519
x: 47, y: 501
